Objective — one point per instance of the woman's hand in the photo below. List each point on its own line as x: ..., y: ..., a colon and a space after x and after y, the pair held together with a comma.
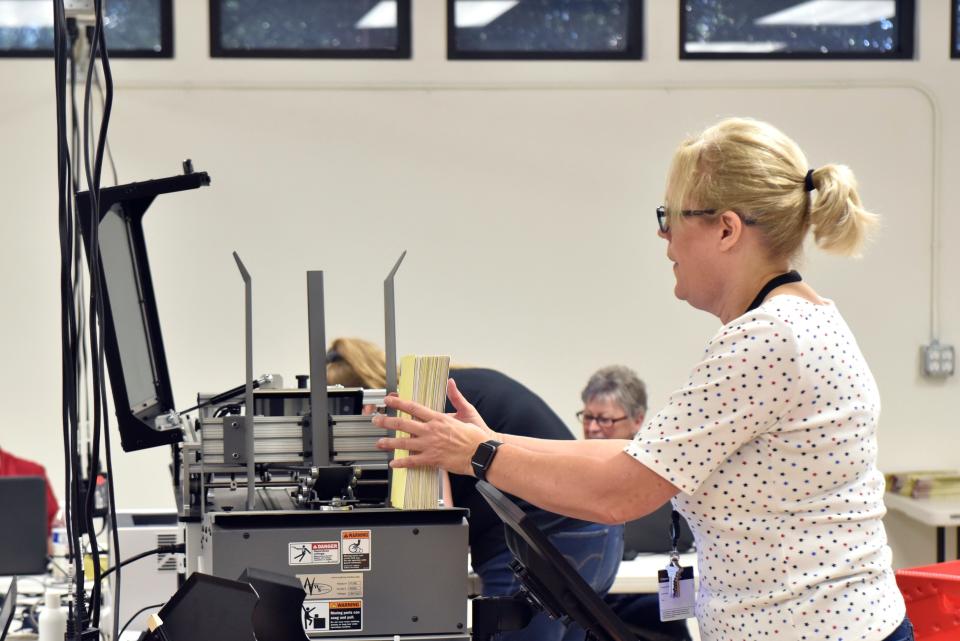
x: 436, y: 440
x: 466, y: 412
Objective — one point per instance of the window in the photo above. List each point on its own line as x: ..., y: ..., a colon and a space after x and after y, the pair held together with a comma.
x: 134, y: 28
x: 544, y: 29
x: 955, y: 31
x: 792, y: 29
x: 310, y: 28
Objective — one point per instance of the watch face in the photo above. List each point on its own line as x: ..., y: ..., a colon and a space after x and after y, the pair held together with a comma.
x: 482, y: 456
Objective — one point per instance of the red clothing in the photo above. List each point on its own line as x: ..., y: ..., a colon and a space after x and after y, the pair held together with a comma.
x: 11, y: 465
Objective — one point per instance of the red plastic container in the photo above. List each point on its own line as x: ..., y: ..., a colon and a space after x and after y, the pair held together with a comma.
x: 932, y: 593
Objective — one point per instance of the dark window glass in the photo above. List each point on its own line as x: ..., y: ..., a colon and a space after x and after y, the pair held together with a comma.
x: 310, y: 28
x: 955, y: 31
x: 134, y: 28
x: 807, y: 29
x: 544, y: 29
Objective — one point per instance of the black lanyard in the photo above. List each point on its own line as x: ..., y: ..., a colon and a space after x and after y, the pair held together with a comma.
x: 791, y: 276
x: 674, y: 533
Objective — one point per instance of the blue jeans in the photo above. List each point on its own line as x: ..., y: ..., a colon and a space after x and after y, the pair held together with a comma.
x: 595, y: 551
x: 902, y: 633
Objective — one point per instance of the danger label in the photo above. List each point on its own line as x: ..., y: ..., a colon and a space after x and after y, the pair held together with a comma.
x: 356, y: 550
x: 314, y: 553
x: 332, y: 586
x: 332, y: 616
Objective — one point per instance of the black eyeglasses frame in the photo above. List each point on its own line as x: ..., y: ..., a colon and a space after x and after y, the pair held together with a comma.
x: 602, y: 421
x: 665, y: 227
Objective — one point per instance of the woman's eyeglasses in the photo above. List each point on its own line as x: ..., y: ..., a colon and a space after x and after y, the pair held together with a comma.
x: 602, y: 421
x: 665, y: 226
x: 662, y: 216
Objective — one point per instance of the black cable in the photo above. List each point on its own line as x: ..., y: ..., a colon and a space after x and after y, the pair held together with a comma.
x: 176, y: 548
x: 112, y: 514
x: 135, y: 615
x: 96, y: 311
x: 102, y: 144
x: 67, y: 303
x: 106, y: 142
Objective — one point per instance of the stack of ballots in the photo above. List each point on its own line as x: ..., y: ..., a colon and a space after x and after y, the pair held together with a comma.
x: 925, y: 484
x: 423, y: 379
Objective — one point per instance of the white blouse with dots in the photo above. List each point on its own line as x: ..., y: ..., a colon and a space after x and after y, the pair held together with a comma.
x: 772, y: 443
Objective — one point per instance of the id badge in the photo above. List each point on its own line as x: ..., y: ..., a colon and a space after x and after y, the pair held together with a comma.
x: 678, y: 598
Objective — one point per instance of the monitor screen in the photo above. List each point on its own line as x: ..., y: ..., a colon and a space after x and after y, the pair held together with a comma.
x: 23, y: 528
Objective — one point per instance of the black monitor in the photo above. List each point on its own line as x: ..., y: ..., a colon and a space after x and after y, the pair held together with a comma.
x: 6, y: 611
x: 209, y: 608
x: 23, y: 525
x: 133, y: 346
x: 549, y: 578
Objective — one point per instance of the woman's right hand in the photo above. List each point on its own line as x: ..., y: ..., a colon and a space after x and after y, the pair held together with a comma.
x: 466, y: 412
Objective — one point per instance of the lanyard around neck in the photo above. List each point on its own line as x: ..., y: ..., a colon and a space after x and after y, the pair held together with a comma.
x: 790, y: 277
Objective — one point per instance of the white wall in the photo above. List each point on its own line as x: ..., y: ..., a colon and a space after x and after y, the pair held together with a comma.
x: 524, y: 193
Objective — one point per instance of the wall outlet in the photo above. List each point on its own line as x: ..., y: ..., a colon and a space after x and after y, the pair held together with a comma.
x: 79, y: 9
x: 938, y: 360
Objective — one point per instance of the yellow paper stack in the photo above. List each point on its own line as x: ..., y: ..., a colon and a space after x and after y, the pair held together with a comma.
x: 423, y: 379
x: 925, y: 484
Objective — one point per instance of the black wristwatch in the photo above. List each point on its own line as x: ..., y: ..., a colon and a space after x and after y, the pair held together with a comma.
x: 483, y: 458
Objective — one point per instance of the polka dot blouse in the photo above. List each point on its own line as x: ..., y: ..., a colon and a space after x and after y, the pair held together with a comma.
x: 772, y: 443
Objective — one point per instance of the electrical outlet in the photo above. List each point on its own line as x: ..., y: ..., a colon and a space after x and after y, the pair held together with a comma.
x: 79, y: 9
x: 938, y: 360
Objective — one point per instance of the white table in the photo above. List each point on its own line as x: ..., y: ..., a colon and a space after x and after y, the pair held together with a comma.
x: 940, y: 513
x: 639, y: 576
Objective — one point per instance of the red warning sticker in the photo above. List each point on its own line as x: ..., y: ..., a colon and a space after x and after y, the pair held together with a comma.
x: 314, y: 553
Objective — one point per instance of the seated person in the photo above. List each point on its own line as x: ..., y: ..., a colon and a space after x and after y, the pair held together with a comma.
x: 11, y: 465
x: 509, y: 407
x: 614, y: 405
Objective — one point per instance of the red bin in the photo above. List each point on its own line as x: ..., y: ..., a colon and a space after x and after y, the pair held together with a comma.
x: 932, y: 593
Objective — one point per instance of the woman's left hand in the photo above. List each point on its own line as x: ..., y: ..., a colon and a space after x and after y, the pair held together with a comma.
x: 436, y: 440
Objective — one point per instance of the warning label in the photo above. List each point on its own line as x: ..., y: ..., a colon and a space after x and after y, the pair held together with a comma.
x: 332, y: 616
x: 356, y: 550
x: 314, y: 553
x: 332, y: 586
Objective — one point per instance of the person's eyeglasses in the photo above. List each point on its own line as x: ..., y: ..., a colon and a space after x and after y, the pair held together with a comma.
x: 665, y: 226
x: 662, y: 216
x: 602, y: 421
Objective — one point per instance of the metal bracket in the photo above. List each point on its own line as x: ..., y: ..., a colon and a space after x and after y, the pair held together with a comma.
x: 234, y: 440
x: 319, y: 429
x: 390, y: 328
x: 248, y: 399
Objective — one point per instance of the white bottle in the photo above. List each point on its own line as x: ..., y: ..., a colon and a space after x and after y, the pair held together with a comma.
x: 53, y: 618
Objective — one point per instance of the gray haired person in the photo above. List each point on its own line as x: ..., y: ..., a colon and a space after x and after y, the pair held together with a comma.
x: 614, y: 403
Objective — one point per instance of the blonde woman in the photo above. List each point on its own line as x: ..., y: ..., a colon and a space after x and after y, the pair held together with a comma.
x: 769, y: 449
x: 594, y: 549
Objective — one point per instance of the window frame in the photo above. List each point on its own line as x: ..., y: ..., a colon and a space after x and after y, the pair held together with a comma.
x: 633, y: 51
x: 403, y: 51
x: 166, y: 42
x: 906, y: 28
x: 954, y: 46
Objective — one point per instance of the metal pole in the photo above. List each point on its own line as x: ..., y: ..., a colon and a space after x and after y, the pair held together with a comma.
x: 248, y: 399
x: 390, y: 328
x: 318, y: 370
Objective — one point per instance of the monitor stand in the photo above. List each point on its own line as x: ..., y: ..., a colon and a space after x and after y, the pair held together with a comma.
x: 549, y: 583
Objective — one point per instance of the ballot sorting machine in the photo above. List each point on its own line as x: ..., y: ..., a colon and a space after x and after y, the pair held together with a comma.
x: 276, y: 480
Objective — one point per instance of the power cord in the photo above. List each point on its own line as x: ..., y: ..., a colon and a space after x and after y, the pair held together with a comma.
x: 177, y: 548
x: 135, y: 615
